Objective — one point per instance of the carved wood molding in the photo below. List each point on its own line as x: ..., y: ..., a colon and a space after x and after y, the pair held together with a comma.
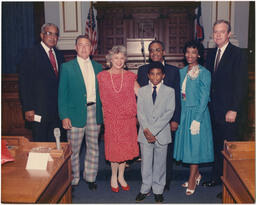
x: 145, y: 4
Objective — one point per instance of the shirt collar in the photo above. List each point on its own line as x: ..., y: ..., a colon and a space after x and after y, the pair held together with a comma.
x: 223, y: 48
x: 81, y: 60
x: 157, y: 86
x: 46, y: 48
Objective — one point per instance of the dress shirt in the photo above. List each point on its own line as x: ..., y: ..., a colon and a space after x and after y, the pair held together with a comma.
x: 89, y: 78
x: 222, y: 50
x: 157, y: 86
x: 47, y: 49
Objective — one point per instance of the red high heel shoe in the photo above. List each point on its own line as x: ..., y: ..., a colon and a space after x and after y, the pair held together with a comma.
x: 125, y: 188
x: 115, y: 189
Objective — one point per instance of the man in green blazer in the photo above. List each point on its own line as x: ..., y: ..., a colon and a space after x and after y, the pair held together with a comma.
x: 80, y: 109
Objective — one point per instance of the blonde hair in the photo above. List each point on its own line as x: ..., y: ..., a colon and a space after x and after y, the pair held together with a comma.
x: 115, y: 50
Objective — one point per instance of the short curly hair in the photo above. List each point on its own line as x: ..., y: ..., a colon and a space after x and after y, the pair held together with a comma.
x: 199, y: 46
x: 115, y: 50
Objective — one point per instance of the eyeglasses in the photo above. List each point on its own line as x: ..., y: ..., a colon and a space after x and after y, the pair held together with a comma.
x: 155, y: 50
x: 48, y: 33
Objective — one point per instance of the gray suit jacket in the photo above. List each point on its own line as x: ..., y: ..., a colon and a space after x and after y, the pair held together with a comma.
x: 156, y: 116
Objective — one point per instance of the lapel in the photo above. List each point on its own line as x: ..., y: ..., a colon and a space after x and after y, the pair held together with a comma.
x: 212, y: 60
x: 59, y: 58
x: 95, y: 73
x: 159, y: 95
x: 148, y: 94
x: 47, y: 61
x: 79, y: 74
x: 225, y: 57
x: 183, y: 73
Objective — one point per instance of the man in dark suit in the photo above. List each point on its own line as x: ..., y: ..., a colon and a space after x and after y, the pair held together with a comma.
x: 228, y: 89
x: 38, y: 84
x: 172, y: 79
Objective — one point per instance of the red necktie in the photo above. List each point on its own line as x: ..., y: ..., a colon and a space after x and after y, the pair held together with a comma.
x: 53, y: 62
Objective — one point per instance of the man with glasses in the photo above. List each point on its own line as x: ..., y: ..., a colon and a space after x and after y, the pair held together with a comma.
x: 38, y: 84
x: 172, y: 79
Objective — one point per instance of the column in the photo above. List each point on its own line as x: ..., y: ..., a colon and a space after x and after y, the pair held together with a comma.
x: 70, y: 24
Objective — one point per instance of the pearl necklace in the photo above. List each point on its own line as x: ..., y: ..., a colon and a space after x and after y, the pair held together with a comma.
x: 117, y: 91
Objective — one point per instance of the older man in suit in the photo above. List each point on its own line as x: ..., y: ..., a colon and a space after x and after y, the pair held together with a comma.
x: 38, y: 84
x: 172, y: 79
x: 228, y: 89
x: 80, y: 109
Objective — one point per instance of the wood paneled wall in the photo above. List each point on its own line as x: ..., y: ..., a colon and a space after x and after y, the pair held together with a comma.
x: 170, y: 22
x: 13, y: 122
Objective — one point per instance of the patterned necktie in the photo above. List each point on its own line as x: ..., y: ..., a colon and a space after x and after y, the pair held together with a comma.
x: 53, y: 62
x: 154, y: 95
x: 217, y: 60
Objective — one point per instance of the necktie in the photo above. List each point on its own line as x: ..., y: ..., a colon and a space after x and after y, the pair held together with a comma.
x: 154, y: 95
x: 53, y: 62
x: 217, y: 60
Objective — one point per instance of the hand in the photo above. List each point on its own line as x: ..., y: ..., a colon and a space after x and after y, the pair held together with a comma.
x: 174, y: 126
x: 231, y: 116
x: 152, y: 140
x: 195, y: 127
x: 66, y: 124
x: 149, y: 136
x: 136, y: 87
x: 29, y: 115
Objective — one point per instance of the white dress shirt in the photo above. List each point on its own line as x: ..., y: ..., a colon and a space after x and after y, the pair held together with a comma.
x: 222, y: 50
x: 89, y: 78
x: 47, y: 49
x: 157, y: 86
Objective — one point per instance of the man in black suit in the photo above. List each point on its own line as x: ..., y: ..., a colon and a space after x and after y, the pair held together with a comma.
x: 38, y: 84
x: 228, y: 90
x: 172, y: 79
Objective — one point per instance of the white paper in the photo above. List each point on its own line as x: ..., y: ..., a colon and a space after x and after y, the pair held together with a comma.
x: 37, y: 160
x: 38, y: 173
x: 37, y: 118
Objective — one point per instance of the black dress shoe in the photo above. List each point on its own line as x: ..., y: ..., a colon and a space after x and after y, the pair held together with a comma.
x: 140, y: 197
x: 92, y: 186
x: 211, y: 183
x: 219, y: 195
x: 159, y: 198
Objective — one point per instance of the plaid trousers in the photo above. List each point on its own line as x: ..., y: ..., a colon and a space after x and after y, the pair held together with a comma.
x: 75, y: 137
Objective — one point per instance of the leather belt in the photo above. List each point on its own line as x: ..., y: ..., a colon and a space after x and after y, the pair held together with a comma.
x: 90, y: 103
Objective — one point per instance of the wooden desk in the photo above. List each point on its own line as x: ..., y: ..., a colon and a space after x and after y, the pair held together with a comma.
x: 49, y: 186
x: 239, y: 172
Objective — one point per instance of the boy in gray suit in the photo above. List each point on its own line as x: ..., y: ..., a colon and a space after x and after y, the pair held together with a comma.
x: 155, y: 108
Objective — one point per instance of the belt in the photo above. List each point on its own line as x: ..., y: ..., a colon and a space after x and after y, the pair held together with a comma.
x: 90, y: 103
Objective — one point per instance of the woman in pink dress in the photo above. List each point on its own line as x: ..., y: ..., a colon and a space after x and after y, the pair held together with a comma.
x: 117, y: 93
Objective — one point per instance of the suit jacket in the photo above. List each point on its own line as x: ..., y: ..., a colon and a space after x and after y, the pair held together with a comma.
x: 156, y: 116
x: 73, y: 96
x: 38, y: 83
x: 197, y: 91
x: 172, y: 79
x: 229, y: 82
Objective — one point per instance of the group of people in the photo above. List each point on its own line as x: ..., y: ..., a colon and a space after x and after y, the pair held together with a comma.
x: 170, y: 104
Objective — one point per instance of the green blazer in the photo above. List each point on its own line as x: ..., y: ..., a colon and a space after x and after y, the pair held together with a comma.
x: 72, y: 97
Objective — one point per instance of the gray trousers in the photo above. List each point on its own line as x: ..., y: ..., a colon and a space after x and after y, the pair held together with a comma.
x: 153, y: 167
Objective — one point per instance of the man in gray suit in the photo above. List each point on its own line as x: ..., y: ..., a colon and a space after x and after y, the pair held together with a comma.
x: 155, y: 108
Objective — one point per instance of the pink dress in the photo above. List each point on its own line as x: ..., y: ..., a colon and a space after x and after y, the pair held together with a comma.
x: 119, y: 114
